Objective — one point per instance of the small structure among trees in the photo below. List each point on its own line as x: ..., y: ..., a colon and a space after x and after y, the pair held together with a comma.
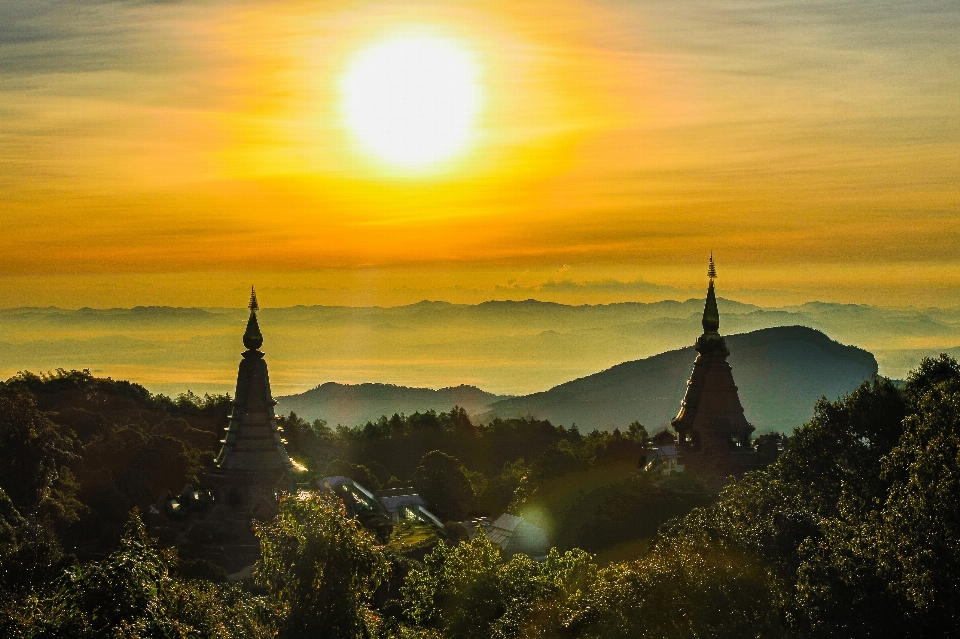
x: 515, y: 536
x: 664, y: 460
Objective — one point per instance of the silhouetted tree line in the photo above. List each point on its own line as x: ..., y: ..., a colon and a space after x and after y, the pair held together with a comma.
x: 79, y: 452
x: 484, y: 465
x: 853, y: 532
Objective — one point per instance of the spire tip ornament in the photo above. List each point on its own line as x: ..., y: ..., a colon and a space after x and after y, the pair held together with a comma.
x: 711, y: 315
x: 252, y: 338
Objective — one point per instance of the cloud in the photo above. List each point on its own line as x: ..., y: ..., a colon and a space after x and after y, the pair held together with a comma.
x: 135, y: 137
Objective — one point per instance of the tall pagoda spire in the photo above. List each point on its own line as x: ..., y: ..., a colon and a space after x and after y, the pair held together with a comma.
x: 252, y: 442
x: 711, y: 427
x: 249, y: 473
x: 711, y: 314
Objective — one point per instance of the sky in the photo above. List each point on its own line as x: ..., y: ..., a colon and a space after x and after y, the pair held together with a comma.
x: 175, y: 153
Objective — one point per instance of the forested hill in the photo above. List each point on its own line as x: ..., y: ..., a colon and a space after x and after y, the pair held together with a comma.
x: 780, y: 372
x: 352, y: 404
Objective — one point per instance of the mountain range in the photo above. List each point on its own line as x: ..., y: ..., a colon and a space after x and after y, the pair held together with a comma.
x: 352, y: 404
x: 504, y: 347
x: 781, y: 372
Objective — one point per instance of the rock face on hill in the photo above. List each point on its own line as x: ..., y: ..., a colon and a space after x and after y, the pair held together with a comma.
x: 780, y: 372
x: 352, y: 404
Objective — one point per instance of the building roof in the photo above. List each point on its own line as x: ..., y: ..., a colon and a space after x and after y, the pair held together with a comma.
x: 666, y: 451
x: 507, y: 522
x: 515, y: 535
x: 397, y: 502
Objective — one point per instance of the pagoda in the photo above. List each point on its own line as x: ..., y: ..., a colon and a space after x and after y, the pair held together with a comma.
x: 713, y: 435
x: 216, y: 522
x: 252, y: 447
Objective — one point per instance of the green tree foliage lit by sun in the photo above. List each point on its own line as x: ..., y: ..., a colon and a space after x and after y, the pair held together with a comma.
x: 853, y: 532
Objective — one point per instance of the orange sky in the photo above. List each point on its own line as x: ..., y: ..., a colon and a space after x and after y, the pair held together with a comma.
x: 174, y: 153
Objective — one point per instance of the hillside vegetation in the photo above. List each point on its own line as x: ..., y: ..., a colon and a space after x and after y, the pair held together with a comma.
x: 851, y: 533
x: 780, y: 372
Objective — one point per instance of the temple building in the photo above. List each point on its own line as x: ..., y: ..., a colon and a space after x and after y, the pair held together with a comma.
x: 215, y: 522
x: 713, y: 434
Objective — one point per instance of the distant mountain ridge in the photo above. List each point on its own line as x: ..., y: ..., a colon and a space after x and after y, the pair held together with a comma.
x: 780, y: 372
x: 508, y: 347
x: 352, y: 404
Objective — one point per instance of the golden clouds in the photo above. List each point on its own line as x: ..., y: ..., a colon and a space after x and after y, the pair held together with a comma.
x: 625, y: 140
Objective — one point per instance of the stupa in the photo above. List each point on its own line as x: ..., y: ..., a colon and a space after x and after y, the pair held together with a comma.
x: 713, y: 434
x: 216, y: 522
x: 252, y: 447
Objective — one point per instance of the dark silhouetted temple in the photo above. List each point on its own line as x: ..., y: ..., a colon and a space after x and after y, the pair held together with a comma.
x: 713, y: 435
x: 215, y: 523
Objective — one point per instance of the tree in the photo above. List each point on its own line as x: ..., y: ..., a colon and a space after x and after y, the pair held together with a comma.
x: 320, y: 568
x: 637, y: 432
x: 32, y: 453
x: 682, y: 592
x: 30, y: 557
x: 135, y: 593
x: 357, y: 472
x: 471, y: 591
x: 919, y: 529
x: 444, y: 483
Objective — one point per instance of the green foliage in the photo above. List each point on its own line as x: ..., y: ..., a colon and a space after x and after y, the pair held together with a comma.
x: 81, y: 451
x: 357, y: 472
x: 920, y: 521
x: 840, y: 450
x: 857, y: 521
x: 685, y: 592
x: 134, y: 593
x: 33, y: 457
x: 503, y: 488
x: 562, y: 458
x: 637, y: 432
x: 79, y: 386
x: 854, y: 532
x: 32, y: 449
x: 30, y: 557
x: 320, y: 568
x: 444, y: 483
x: 471, y: 591
x: 604, y: 506
x: 414, y: 538
x: 304, y: 438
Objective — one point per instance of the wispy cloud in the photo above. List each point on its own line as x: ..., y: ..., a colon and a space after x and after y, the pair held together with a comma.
x: 622, y: 138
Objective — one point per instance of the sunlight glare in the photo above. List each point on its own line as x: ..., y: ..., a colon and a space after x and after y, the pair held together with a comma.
x: 412, y: 101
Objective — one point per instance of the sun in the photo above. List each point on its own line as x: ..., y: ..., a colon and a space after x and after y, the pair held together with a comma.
x: 412, y: 101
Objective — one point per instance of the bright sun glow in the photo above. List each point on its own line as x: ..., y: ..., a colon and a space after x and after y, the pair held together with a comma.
x: 412, y: 100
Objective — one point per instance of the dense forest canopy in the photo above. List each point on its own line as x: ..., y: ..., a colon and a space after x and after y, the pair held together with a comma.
x: 853, y: 532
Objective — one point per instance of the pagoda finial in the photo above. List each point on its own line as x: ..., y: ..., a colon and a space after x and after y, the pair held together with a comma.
x: 711, y: 315
x: 252, y: 338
